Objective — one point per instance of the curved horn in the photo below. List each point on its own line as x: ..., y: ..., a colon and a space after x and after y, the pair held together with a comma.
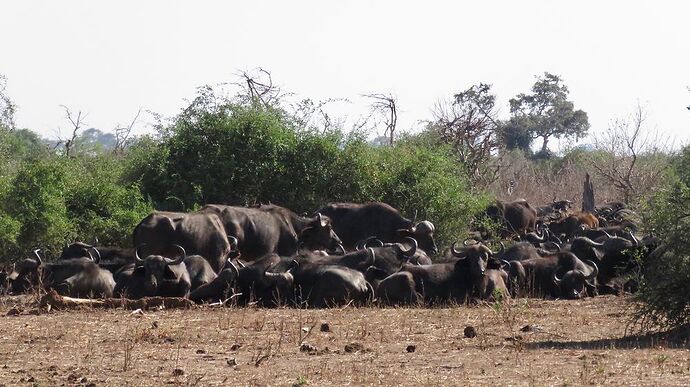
x: 593, y: 243
x: 97, y: 256
x: 233, y: 268
x: 607, y: 234
x: 410, y: 252
x: 634, y: 240
x: 595, y: 270
x: 137, y: 258
x: 233, y: 242
x: 372, y: 239
x: 457, y: 253
x: 180, y: 258
x: 38, y: 256
x: 95, y: 241
x: 505, y: 263
x: 503, y: 248
x: 556, y: 280
x: 466, y: 242
x: 556, y: 245
x: 322, y: 223
x: 372, y: 255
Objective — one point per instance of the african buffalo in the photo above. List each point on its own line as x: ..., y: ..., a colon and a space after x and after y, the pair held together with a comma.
x: 321, y: 286
x: 355, y: 222
x: 572, y: 224
x: 111, y: 258
x: 441, y: 282
x: 517, y: 217
x: 560, y: 274
x: 556, y: 207
x: 155, y: 275
x: 271, y: 229
x: 197, y: 233
x: 76, y: 277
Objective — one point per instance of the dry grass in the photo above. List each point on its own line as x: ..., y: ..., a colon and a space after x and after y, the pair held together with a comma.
x: 527, y: 342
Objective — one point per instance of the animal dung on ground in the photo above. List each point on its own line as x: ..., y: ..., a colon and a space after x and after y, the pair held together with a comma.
x: 325, y: 327
x: 310, y: 349
x: 354, y: 347
x: 411, y: 348
x: 470, y: 332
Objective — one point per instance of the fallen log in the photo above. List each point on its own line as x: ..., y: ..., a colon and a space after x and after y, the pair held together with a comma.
x: 55, y: 301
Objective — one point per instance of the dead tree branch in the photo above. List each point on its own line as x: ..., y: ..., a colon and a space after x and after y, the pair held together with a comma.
x: 77, y: 122
x: 123, y: 133
x: 387, y: 106
x: 469, y: 123
x: 630, y: 157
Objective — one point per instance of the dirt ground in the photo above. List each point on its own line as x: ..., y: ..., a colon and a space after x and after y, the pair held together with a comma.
x: 526, y: 342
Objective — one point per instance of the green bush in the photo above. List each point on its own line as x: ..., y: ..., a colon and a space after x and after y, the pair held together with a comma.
x: 664, y: 296
x: 58, y: 200
x: 241, y: 155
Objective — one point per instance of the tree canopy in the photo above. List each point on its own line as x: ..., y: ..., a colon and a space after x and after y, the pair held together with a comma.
x: 544, y: 113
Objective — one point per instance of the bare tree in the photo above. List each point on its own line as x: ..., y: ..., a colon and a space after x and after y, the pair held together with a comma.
x: 387, y: 107
x: 631, y: 157
x: 123, y: 133
x: 77, y: 123
x: 258, y: 87
x: 7, y: 106
x: 307, y: 113
x: 469, y: 123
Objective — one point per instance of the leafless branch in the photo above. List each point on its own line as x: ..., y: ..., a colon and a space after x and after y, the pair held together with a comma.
x: 630, y: 157
x: 386, y: 105
x: 258, y: 87
x: 7, y: 106
x: 77, y: 122
x: 122, y: 134
x: 469, y: 123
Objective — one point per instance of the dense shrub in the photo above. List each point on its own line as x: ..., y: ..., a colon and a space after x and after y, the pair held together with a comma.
x: 665, y: 292
x: 53, y: 201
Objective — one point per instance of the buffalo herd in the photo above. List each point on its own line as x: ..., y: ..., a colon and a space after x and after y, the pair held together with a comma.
x: 348, y: 253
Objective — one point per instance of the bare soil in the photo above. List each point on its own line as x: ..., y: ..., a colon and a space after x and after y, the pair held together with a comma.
x: 524, y: 342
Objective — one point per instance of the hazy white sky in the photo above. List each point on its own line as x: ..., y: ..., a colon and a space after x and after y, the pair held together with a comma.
x: 110, y: 58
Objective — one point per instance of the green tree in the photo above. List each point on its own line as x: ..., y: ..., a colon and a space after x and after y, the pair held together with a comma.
x: 545, y: 113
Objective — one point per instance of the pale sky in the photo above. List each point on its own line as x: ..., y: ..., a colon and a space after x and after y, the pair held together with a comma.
x: 111, y: 58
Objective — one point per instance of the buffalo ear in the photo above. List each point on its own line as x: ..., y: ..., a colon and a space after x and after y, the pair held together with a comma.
x: 139, y: 271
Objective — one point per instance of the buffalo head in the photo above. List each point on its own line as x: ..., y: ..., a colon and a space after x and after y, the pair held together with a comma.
x: 575, y: 283
x: 474, y: 258
x: 318, y: 234
x: 423, y: 233
x: 159, y: 271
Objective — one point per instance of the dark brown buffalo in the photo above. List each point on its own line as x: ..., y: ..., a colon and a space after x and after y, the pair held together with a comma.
x: 441, y: 282
x: 517, y: 217
x: 76, y: 277
x: 155, y: 275
x: 556, y: 208
x: 271, y: 229
x: 355, y: 222
x: 198, y: 233
x: 572, y: 224
x: 557, y: 275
